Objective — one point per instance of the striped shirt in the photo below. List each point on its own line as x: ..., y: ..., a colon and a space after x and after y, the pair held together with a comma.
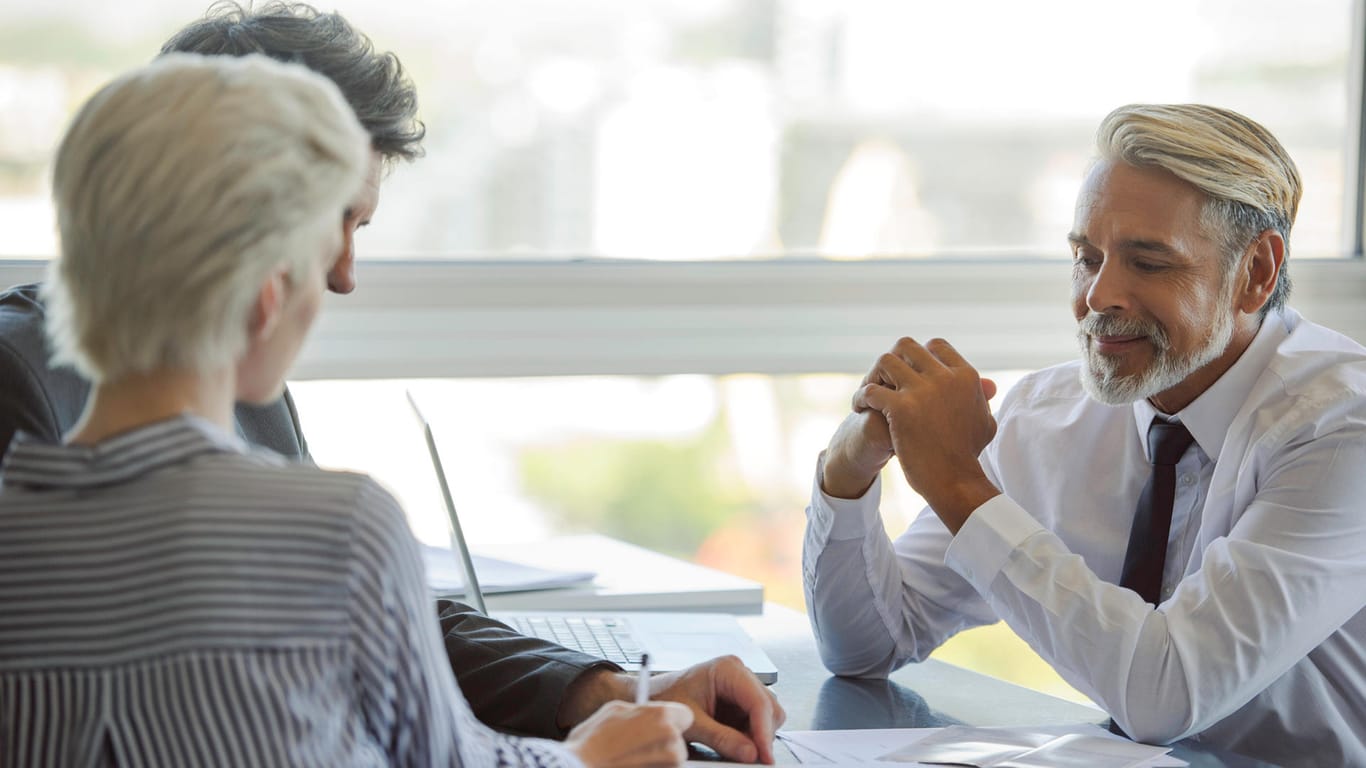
x: 169, y: 597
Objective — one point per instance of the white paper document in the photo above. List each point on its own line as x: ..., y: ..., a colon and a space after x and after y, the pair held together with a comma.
x: 446, y: 576
x: 1025, y: 748
x: 1078, y: 745
x: 849, y: 747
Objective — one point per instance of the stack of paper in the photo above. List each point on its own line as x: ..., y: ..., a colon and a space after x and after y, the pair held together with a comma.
x: 446, y: 576
x: 1077, y: 745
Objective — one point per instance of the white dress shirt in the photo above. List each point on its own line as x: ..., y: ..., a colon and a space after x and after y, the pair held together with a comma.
x: 1259, y: 645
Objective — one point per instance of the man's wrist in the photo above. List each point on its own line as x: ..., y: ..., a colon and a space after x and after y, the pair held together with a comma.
x: 957, y: 500
x: 843, y: 480
x: 589, y: 692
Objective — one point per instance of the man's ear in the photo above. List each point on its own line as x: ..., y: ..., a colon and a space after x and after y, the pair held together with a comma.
x: 1261, y: 268
x: 268, y: 307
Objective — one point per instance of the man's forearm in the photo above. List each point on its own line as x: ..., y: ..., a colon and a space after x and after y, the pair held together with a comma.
x: 513, y: 682
x: 589, y: 692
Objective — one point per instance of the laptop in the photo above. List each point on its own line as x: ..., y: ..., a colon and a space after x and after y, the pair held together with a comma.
x: 673, y: 640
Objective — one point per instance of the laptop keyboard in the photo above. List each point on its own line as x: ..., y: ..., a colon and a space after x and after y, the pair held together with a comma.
x: 606, y: 638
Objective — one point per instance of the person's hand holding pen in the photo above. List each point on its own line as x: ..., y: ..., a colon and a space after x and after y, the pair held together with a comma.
x: 643, y: 680
x: 731, y: 711
x: 621, y: 735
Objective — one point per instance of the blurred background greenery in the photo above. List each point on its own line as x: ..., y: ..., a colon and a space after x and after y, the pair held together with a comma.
x: 683, y: 497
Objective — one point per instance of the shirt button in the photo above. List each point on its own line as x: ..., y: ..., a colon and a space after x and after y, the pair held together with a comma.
x: 1188, y: 479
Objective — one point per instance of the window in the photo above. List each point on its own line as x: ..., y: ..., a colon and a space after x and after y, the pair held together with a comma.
x: 686, y: 130
x: 666, y: 236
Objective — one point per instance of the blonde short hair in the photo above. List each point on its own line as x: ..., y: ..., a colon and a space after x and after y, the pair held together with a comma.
x: 1249, y: 178
x: 179, y: 188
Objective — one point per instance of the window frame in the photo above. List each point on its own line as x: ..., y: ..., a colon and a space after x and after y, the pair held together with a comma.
x: 493, y: 319
x: 1355, y: 193
x: 458, y: 319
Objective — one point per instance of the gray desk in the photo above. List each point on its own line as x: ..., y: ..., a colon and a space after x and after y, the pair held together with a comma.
x: 629, y: 578
x: 926, y: 695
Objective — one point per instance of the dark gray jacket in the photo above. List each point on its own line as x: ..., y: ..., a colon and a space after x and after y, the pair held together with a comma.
x: 45, y: 401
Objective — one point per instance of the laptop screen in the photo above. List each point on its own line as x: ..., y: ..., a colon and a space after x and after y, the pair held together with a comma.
x: 473, y: 592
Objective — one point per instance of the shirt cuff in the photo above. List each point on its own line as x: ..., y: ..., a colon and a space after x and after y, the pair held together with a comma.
x: 987, y: 539
x: 833, y: 519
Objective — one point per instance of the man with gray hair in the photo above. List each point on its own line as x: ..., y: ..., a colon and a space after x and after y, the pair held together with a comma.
x: 1174, y: 522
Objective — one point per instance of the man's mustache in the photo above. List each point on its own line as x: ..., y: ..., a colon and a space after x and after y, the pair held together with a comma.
x: 1096, y: 324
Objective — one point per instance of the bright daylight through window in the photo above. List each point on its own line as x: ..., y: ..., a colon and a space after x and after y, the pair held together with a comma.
x: 701, y: 129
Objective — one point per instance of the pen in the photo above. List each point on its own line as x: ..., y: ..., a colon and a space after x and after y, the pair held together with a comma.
x: 643, y: 680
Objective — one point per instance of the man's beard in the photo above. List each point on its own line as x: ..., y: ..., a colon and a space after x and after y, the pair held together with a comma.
x: 1100, y: 373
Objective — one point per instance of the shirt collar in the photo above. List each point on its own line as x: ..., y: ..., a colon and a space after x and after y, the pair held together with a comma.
x: 1210, y: 415
x: 35, y: 464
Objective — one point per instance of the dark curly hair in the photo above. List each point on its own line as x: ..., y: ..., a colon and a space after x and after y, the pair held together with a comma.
x: 373, y: 83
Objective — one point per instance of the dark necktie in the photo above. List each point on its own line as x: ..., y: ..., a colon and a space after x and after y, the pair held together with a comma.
x: 1146, y: 557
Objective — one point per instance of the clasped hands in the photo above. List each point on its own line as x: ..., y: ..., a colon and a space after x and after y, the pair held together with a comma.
x: 925, y: 405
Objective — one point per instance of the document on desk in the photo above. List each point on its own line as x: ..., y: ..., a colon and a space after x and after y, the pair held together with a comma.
x: 446, y: 576
x: 1080, y: 745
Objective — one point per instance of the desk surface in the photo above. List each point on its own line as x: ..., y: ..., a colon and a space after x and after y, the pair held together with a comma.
x: 926, y: 695
x: 629, y: 578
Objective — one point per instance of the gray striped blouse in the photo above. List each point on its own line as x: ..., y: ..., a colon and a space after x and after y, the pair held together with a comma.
x: 169, y: 597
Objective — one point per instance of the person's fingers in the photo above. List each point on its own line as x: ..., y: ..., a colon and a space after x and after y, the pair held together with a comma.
x: 678, y: 715
x: 676, y: 718
x: 764, y: 718
x: 661, y: 753
x: 988, y: 388
x: 874, y: 397
x: 732, y: 712
x: 622, y: 735
x: 860, y: 398
x: 915, y: 356
x: 678, y: 751
x: 737, y: 684
x: 873, y: 378
x: 739, y: 690
x: 892, y: 368
x: 779, y: 714
x: 951, y: 358
x: 892, y: 372
x: 945, y: 353
x: 728, y: 742
x: 671, y: 751
x: 777, y: 717
x: 664, y: 725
